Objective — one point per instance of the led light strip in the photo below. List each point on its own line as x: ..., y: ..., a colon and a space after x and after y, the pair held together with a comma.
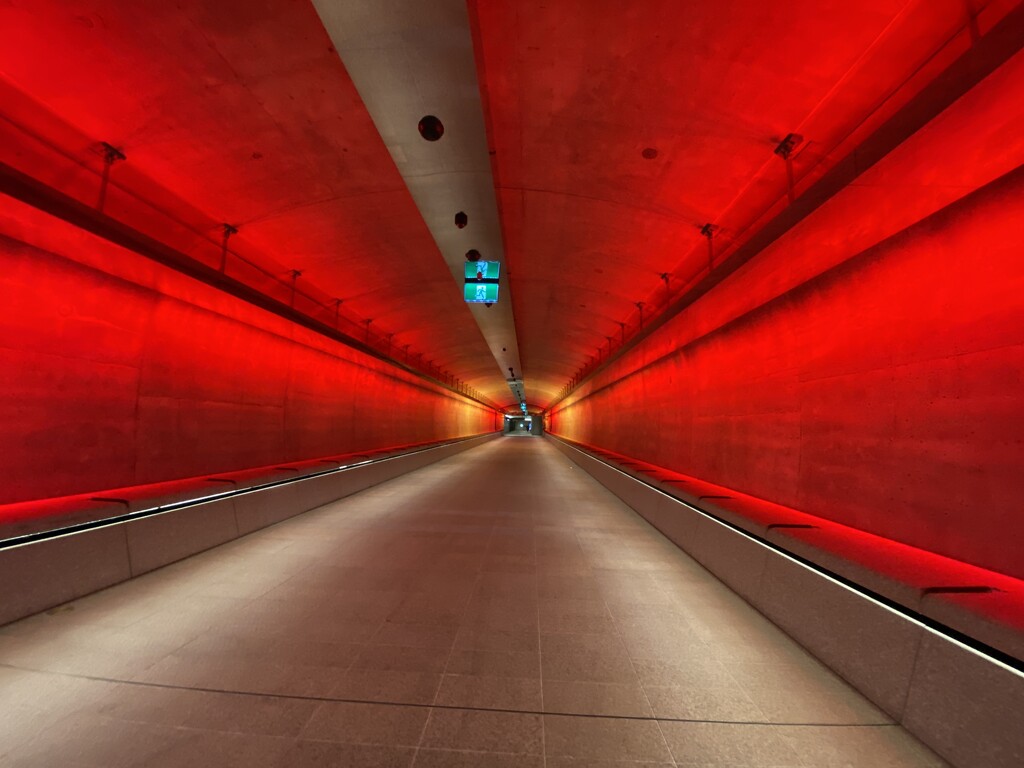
x: 56, y: 533
x: 982, y: 650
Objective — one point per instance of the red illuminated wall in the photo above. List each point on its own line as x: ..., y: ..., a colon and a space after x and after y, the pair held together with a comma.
x: 887, y: 392
x: 115, y: 371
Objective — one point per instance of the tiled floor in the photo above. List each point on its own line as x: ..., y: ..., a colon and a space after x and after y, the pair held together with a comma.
x: 497, y: 609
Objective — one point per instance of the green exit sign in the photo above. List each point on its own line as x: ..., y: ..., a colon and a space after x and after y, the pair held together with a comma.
x: 482, y: 270
x: 482, y: 281
x: 481, y: 293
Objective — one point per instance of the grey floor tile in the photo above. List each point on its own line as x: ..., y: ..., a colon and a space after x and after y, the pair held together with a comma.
x: 222, y: 674
x: 496, y: 618
x: 457, y: 729
x: 593, y: 738
x: 806, y: 693
x: 859, y: 747
x: 97, y: 740
x: 490, y: 639
x: 399, y: 658
x: 698, y: 672
x: 444, y: 758
x: 388, y: 686
x: 588, y: 698
x: 87, y: 650
x: 509, y: 564
x: 26, y: 732
x: 288, y: 650
x: 246, y: 714
x: 568, y: 606
x: 507, y: 585
x: 351, y: 723
x: 416, y: 610
x: 494, y: 663
x: 415, y: 635
x: 581, y: 643
x: 727, y: 703
x: 595, y: 667
x: 321, y: 754
x: 572, y: 623
x: 726, y: 744
x: 192, y: 747
x: 572, y: 762
x: 490, y: 692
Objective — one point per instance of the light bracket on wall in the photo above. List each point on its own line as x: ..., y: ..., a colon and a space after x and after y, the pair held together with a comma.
x: 787, y: 145
x: 110, y: 155
x: 785, y: 151
x: 228, y: 230
x: 709, y: 230
x: 295, y: 275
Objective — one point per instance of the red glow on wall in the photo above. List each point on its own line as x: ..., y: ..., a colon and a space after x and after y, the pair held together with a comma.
x: 886, y: 394
x: 574, y: 99
x: 237, y: 113
x: 118, y: 372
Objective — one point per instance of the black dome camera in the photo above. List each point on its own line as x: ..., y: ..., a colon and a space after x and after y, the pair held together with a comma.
x: 431, y: 128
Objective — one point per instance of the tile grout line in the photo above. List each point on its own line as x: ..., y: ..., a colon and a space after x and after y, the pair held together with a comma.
x: 687, y: 557
x: 704, y: 641
x: 451, y: 652
x: 643, y: 688
x: 540, y: 652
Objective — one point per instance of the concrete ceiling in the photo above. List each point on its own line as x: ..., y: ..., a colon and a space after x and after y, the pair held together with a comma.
x: 410, y: 61
x: 588, y: 141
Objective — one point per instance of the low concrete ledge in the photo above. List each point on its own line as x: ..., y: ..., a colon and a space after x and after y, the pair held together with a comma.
x: 976, y: 602
x: 40, y: 574
x: 163, y: 538
x: 964, y: 707
x: 963, y: 704
x: 864, y: 642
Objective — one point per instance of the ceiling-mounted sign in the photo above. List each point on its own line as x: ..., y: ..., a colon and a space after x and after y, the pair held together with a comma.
x: 482, y: 270
x: 482, y: 281
x: 481, y: 293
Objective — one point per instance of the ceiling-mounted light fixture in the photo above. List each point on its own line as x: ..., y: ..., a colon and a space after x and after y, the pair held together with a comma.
x: 787, y: 145
x: 431, y: 128
x: 709, y: 230
x: 785, y: 150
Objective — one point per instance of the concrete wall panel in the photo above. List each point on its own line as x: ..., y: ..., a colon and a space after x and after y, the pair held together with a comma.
x: 885, y: 393
x: 128, y: 373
